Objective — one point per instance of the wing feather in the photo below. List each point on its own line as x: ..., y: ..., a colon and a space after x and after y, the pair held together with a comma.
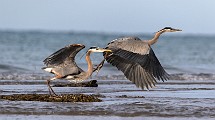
x: 133, y: 71
x: 132, y: 50
x: 148, y: 61
x: 62, y: 62
x: 67, y: 53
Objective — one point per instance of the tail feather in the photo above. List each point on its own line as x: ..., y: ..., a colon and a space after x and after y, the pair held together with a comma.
x: 48, y: 69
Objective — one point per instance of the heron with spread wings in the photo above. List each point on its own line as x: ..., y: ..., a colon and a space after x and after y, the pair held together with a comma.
x: 136, y: 59
x: 62, y: 64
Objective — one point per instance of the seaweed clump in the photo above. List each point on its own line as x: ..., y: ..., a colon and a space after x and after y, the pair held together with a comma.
x: 48, y: 98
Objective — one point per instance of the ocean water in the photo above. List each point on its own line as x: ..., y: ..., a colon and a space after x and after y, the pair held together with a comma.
x: 24, y: 51
x: 189, y: 94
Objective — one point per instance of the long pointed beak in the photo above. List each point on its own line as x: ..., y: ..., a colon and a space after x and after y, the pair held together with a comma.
x: 177, y: 30
x: 105, y: 50
x: 99, y: 50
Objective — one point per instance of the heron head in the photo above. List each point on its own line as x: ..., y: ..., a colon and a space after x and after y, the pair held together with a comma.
x: 97, y: 49
x: 169, y: 29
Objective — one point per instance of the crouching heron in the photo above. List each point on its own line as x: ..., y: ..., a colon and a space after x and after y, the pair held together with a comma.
x: 62, y: 64
x: 136, y: 59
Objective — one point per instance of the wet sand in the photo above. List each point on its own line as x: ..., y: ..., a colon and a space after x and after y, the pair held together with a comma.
x: 173, y: 99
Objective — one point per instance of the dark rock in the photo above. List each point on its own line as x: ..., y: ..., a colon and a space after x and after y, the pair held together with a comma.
x: 92, y: 83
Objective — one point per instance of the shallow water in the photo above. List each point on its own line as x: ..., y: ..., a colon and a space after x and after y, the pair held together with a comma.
x: 172, y: 99
x: 67, y: 117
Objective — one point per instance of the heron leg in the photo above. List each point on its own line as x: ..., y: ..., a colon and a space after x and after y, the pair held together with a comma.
x: 100, y: 65
x: 50, y: 88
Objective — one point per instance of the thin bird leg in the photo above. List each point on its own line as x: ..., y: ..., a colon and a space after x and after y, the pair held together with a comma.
x: 100, y: 65
x: 48, y: 83
x: 50, y: 88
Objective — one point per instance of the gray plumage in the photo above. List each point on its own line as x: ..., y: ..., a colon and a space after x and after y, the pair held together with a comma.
x: 63, y: 62
x: 136, y: 59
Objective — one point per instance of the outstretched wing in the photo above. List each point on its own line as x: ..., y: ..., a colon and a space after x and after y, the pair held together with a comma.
x: 63, y: 55
x: 133, y: 71
x: 149, y: 62
x: 136, y: 51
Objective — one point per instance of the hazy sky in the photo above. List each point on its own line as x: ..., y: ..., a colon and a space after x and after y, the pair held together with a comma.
x: 193, y: 16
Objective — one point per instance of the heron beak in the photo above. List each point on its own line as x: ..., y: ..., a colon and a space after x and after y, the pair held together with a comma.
x: 105, y: 50
x: 175, y: 30
x: 99, y: 50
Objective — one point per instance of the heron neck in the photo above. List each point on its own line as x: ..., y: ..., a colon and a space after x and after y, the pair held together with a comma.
x: 155, y: 38
x: 89, y: 63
